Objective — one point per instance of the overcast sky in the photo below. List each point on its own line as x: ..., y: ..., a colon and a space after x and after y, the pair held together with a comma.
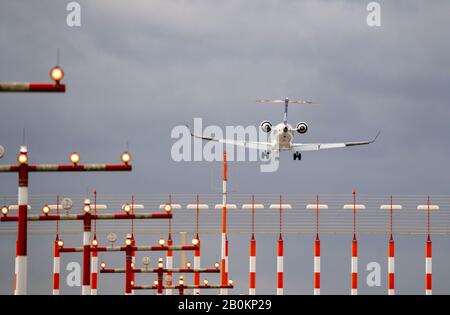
x: 136, y: 69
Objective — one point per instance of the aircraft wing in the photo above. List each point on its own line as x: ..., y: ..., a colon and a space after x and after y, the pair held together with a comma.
x: 239, y: 143
x: 321, y: 146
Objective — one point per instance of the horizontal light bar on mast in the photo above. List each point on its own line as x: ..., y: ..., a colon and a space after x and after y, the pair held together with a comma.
x: 156, y: 270
x: 59, y: 207
x: 316, y: 206
x: 68, y: 167
x: 202, y: 286
x: 425, y: 207
x: 134, y: 248
x: 173, y: 205
x: 104, y: 216
x: 16, y: 207
x: 351, y: 207
x: 389, y: 207
x: 283, y: 206
x: 229, y: 206
x: 32, y: 87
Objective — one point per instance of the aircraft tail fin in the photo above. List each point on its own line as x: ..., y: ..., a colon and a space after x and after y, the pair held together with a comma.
x: 286, y: 102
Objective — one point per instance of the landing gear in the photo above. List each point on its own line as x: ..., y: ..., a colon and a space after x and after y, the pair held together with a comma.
x: 297, y: 156
x: 265, y: 155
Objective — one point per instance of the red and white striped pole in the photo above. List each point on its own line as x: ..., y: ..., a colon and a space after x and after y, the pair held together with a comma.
x: 391, y: 267
x: 159, y: 285
x: 252, y: 267
x: 56, y: 255
x: 20, y: 276
x: 317, y: 254
x: 428, y: 267
x: 197, y: 255
x: 391, y: 259
x: 169, y: 264
x: 128, y: 267
x: 224, y: 247
x: 94, y: 256
x: 169, y: 257
x: 428, y: 258
x: 86, y: 286
x: 280, y: 254
x: 94, y: 268
x: 133, y: 244
x: 56, y: 267
x: 354, y: 263
x: 226, y: 263
x: 197, y: 266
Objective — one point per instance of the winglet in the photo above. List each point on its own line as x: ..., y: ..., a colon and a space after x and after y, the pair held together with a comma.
x: 373, y: 140
x: 187, y: 126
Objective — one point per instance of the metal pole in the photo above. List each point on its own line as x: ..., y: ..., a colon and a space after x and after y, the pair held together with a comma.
x: 183, y: 236
x: 169, y: 265
x: 56, y: 267
x: 197, y: 254
x: 252, y: 263
x: 391, y: 259
x: 280, y: 255
x: 21, y: 245
x: 428, y: 257
x: 86, y: 287
x: 317, y: 253
x: 224, y: 250
x: 354, y: 263
x: 94, y: 271
x: 128, y: 270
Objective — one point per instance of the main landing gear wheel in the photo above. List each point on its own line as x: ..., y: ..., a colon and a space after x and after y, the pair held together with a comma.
x: 297, y: 156
x: 265, y: 155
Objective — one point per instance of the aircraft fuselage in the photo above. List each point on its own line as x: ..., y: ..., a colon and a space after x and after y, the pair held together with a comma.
x: 282, y: 135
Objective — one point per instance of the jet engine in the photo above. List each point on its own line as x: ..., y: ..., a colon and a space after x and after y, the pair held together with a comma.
x: 302, y: 127
x: 266, y: 126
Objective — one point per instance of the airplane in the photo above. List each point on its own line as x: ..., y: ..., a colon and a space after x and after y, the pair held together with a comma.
x: 283, y: 135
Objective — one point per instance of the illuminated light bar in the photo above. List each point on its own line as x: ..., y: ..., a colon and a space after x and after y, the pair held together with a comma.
x: 315, y: 206
x: 185, y: 286
x: 425, y: 207
x: 283, y: 206
x: 200, y: 206
x: 256, y: 206
x: 15, y: 207
x: 388, y: 207
x: 229, y: 206
x: 135, y: 207
x: 135, y: 248
x: 99, y: 207
x: 357, y: 207
x: 150, y: 270
x: 32, y: 87
x: 173, y: 205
